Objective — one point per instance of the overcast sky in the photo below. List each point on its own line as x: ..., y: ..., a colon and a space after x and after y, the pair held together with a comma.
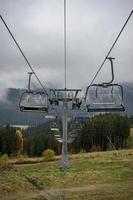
x: 92, y: 26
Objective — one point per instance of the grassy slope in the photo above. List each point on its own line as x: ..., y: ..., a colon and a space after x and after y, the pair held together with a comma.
x: 94, y: 176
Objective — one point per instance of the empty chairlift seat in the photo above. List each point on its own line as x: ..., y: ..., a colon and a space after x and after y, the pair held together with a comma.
x: 105, y: 99
x: 34, y: 102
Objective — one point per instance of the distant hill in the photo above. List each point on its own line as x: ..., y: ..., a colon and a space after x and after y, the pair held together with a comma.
x: 10, y: 113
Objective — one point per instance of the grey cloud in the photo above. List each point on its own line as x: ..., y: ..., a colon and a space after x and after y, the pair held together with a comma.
x: 92, y: 26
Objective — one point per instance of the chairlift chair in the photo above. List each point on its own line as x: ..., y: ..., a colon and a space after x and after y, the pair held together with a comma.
x: 60, y: 96
x: 50, y: 117
x: 33, y: 101
x: 70, y: 95
x: 75, y: 126
x: 54, y: 127
x: 76, y: 105
x: 76, y: 102
x: 75, y: 129
x: 53, y: 101
x: 105, y: 97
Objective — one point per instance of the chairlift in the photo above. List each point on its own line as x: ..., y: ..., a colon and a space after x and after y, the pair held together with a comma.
x: 60, y: 140
x: 105, y: 97
x: 71, y: 140
x: 53, y: 101
x: 75, y: 129
x: 33, y: 101
x: 58, y: 137
x: 76, y: 103
x: 51, y: 117
x: 60, y: 96
x: 75, y: 126
x: 54, y: 127
x: 70, y: 95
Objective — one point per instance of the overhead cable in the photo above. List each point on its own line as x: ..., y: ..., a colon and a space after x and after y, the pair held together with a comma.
x: 22, y: 53
x: 111, y: 47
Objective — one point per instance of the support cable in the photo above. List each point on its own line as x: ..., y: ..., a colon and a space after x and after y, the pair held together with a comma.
x: 111, y: 47
x: 22, y: 53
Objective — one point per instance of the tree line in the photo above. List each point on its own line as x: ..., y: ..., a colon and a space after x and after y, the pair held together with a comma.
x: 101, y: 131
x: 95, y: 135
x: 11, y: 140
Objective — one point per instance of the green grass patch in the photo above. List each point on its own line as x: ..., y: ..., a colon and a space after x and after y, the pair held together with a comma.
x: 102, y: 175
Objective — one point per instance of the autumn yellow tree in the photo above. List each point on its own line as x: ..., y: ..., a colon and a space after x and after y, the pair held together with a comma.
x: 19, y: 142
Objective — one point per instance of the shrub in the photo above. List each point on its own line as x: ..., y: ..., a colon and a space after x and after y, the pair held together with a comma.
x: 129, y: 142
x: 4, y: 161
x: 20, y: 157
x: 48, y: 155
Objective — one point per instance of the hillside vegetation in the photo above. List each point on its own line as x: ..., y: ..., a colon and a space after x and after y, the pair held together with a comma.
x: 96, y: 134
x: 94, y: 176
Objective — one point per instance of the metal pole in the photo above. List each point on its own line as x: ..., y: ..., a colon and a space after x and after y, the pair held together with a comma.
x: 64, y: 156
x: 112, y: 144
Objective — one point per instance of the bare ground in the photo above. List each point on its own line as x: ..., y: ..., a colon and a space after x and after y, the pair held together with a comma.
x: 105, y: 189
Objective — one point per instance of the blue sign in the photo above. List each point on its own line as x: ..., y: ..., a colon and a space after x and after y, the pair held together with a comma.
x: 81, y: 117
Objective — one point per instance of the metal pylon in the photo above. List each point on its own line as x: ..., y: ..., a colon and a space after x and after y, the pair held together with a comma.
x: 64, y: 158
x: 64, y: 155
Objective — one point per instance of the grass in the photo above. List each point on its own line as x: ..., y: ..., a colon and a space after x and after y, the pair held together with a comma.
x: 94, y: 176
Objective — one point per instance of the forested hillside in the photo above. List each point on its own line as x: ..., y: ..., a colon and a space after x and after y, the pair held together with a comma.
x: 95, y: 134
